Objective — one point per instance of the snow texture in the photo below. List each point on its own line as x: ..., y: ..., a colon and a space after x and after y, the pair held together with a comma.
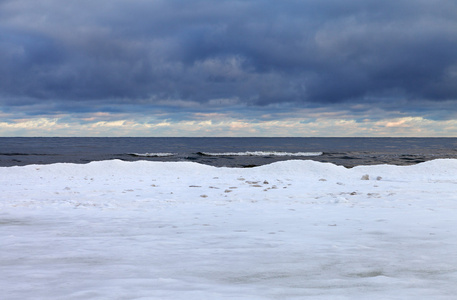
x: 288, y: 230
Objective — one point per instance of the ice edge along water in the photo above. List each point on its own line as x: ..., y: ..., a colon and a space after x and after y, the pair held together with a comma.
x: 246, y: 153
x: 288, y: 230
x: 262, y: 153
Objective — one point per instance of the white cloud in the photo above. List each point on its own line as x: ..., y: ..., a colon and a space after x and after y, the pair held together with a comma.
x: 223, y: 125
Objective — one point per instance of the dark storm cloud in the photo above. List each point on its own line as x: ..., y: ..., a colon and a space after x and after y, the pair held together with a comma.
x: 259, y: 52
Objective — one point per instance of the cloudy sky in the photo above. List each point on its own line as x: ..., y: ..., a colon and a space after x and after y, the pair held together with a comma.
x: 228, y: 68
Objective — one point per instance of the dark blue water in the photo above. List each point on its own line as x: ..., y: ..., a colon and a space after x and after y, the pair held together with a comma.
x: 230, y: 152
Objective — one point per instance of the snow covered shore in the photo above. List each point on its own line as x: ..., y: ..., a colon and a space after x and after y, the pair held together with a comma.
x: 289, y: 230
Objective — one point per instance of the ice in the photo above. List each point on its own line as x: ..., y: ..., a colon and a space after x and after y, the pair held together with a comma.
x: 179, y: 230
x: 153, y: 154
x: 262, y: 153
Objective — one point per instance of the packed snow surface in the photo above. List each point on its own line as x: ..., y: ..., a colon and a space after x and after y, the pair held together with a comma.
x: 289, y: 230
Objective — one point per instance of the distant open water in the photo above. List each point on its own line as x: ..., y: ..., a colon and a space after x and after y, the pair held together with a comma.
x: 229, y: 152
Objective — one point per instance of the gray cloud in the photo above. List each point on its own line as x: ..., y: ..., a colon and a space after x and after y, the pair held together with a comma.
x: 90, y: 55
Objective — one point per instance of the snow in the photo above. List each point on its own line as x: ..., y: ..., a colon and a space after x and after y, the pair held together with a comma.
x: 177, y: 230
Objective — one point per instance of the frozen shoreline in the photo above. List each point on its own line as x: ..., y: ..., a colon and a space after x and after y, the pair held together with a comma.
x: 289, y: 230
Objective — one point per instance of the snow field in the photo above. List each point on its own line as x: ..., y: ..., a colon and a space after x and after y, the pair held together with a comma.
x: 289, y: 230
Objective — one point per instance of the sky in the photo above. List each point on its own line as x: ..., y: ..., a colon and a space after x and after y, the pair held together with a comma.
x: 228, y: 68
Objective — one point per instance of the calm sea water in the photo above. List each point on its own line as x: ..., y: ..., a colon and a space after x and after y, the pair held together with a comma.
x: 230, y: 152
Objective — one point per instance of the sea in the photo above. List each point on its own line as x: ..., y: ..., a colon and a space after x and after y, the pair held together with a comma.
x: 224, y: 152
